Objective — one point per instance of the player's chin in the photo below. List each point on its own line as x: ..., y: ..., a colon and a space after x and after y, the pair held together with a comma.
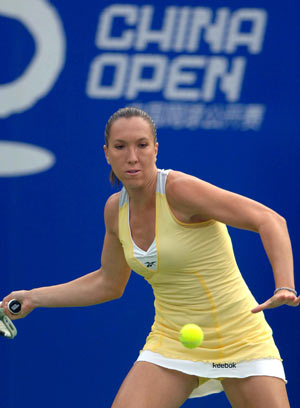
x: 133, y: 179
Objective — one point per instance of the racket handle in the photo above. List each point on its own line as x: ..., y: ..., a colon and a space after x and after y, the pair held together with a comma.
x: 14, y: 306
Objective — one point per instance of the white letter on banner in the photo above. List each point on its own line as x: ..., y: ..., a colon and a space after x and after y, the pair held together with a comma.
x: 178, y: 77
x: 253, y: 39
x: 201, y: 19
x: 95, y: 89
x: 181, y: 28
x: 104, y: 38
x: 214, y: 33
x: 139, y: 84
x: 163, y: 37
x: 230, y: 83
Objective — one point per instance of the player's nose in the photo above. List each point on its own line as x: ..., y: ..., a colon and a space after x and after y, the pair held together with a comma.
x: 132, y: 156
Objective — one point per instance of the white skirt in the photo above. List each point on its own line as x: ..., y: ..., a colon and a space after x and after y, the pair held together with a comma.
x: 210, y: 374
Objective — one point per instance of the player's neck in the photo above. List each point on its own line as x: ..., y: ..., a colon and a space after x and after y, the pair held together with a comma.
x: 143, y: 196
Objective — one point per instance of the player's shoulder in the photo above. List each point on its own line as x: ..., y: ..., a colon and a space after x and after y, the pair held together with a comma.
x: 111, y: 210
x: 185, y: 193
x: 179, y: 183
x: 176, y: 176
x: 112, y: 205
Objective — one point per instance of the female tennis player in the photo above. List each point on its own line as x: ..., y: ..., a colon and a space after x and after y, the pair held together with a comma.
x: 170, y: 228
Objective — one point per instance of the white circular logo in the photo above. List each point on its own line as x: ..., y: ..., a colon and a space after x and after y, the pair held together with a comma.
x: 44, y: 24
x: 23, y: 159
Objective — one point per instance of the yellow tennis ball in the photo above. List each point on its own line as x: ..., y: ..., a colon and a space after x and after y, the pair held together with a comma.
x: 191, y: 335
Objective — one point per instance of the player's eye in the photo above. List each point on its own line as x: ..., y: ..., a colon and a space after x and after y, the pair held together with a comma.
x: 118, y: 147
x: 143, y: 145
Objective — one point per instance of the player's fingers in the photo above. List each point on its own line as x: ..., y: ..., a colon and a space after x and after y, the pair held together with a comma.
x: 261, y: 307
x: 293, y: 302
x: 278, y: 300
x: 4, y: 305
x: 286, y: 298
x: 256, y: 309
x: 23, y: 313
x: 19, y: 296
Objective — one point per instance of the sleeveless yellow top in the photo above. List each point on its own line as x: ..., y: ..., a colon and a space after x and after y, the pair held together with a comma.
x: 197, y: 281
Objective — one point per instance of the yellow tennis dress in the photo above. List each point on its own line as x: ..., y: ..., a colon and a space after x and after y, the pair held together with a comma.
x: 195, y: 279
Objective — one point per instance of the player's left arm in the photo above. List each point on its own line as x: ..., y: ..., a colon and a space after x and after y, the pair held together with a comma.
x: 194, y: 197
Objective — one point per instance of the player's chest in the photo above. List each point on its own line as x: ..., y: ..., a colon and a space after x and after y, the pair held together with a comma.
x: 142, y: 227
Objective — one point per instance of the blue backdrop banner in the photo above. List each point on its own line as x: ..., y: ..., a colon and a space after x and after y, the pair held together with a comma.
x: 221, y: 81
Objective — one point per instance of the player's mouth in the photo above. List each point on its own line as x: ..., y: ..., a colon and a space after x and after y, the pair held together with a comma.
x: 133, y: 172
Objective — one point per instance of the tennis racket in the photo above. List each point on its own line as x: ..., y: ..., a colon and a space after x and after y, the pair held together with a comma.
x: 7, y: 328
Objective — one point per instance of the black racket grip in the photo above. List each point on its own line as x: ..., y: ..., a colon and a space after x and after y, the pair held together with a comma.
x: 14, y: 306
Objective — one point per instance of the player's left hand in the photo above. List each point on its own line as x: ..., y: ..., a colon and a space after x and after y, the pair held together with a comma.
x: 282, y: 297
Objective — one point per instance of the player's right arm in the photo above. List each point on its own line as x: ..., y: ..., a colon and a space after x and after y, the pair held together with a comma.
x: 104, y: 284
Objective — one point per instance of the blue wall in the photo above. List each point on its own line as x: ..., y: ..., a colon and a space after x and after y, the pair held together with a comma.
x: 225, y: 96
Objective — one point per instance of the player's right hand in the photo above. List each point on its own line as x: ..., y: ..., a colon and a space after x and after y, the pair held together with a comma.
x: 26, y: 306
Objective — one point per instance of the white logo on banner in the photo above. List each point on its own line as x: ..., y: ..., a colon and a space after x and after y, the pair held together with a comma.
x: 44, y: 24
x: 22, y: 159
x: 196, y: 61
x: 39, y: 77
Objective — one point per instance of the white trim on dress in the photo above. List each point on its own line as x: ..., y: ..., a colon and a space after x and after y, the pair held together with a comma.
x: 210, y: 374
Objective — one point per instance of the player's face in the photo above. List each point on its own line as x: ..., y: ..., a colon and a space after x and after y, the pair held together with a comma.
x: 131, y: 151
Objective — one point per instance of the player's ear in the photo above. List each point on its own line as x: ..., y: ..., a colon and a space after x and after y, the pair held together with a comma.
x: 106, y: 153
